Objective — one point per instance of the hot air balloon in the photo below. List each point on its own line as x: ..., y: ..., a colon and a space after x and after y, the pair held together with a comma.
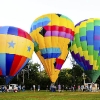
x: 52, y: 35
x: 16, y: 48
x: 86, y: 47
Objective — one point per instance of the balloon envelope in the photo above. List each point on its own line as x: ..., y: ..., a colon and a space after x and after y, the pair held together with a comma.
x: 16, y: 48
x: 52, y: 34
x: 86, y: 46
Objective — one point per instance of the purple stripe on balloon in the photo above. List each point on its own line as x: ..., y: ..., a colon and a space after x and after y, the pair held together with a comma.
x: 90, y: 67
x: 72, y: 37
x: 58, y: 66
x: 62, y: 34
x: 78, y: 57
x: 67, y: 35
x: 97, y: 37
x: 59, y: 34
x: 48, y: 33
x: 73, y: 54
x: 81, y: 59
x: 84, y: 61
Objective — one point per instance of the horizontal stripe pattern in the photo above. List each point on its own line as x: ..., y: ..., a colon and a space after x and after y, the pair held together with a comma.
x: 50, y: 53
x: 58, y: 63
x: 59, y: 34
x: 14, y: 31
x: 59, y: 28
x: 20, y: 45
x: 39, y: 23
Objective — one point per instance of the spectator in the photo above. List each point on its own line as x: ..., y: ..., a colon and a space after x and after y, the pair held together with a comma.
x: 34, y: 88
x: 62, y: 88
x: 59, y: 88
x: 38, y: 87
x: 47, y: 88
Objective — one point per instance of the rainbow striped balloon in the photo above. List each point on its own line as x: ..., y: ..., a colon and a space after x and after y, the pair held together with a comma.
x: 86, y: 46
x: 16, y: 48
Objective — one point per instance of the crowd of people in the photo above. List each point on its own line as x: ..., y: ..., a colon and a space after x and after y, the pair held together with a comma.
x: 53, y: 88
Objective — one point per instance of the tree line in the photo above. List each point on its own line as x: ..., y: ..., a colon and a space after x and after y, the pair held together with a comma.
x: 32, y: 74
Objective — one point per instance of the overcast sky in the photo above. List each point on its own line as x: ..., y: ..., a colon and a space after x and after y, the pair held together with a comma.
x: 21, y: 13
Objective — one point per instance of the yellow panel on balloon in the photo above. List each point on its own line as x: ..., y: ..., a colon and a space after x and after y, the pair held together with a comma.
x: 75, y: 49
x: 63, y: 55
x: 43, y: 61
x: 11, y: 44
x: 3, y: 43
x: 86, y: 55
x: 41, y: 40
x: 47, y: 41
x: 77, y: 30
x: 91, y: 59
x: 90, y: 20
x: 83, y: 24
x: 54, y: 20
x: 80, y: 51
x: 64, y: 22
x: 21, y: 45
x: 28, y: 49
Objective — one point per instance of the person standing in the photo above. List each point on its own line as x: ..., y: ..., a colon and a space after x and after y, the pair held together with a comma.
x: 38, y: 87
x: 59, y: 88
x: 47, y: 88
x: 62, y: 88
x: 34, y: 88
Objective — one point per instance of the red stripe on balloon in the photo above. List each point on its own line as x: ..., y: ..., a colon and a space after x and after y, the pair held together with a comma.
x: 28, y: 36
x: 21, y: 33
x: 0, y: 72
x: 22, y: 60
x: 15, y: 64
x: 24, y: 34
x: 59, y: 61
x: 59, y: 28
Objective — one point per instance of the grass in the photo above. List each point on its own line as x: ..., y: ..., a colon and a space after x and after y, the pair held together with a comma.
x: 43, y: 95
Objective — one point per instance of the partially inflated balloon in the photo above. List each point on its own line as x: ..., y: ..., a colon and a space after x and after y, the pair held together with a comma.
x: 16, y: 48
x: 52, y: 34
x: 86, y: 46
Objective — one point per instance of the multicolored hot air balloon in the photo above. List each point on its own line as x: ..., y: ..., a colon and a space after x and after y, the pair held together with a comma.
x: 52, y: 35
x: 16, y: 48
x: 86, y: 47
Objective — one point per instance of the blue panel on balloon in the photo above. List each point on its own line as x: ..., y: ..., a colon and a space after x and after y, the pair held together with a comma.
x: 96, y: 45
x: 97, y: 30
x: 12, y: 31
x: 3, y: 63
x: 33, y: 27
x: 39, y: 23
x: 50, y: 50
x: 9, y: 61
x: 81, y: 64
x: 90, y: 37
x: 4, y: 29
x: 27, y: 60
x: 51, y: 55
x: 8, y: 79
x: 83, y: 38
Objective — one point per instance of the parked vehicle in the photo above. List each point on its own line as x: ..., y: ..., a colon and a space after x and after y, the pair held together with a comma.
x: 13, y: 87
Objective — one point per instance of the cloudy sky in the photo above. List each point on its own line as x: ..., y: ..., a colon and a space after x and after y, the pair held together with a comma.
x: 21, y: 13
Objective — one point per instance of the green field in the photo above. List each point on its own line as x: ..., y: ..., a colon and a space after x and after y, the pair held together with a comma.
x: 43, y: 95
